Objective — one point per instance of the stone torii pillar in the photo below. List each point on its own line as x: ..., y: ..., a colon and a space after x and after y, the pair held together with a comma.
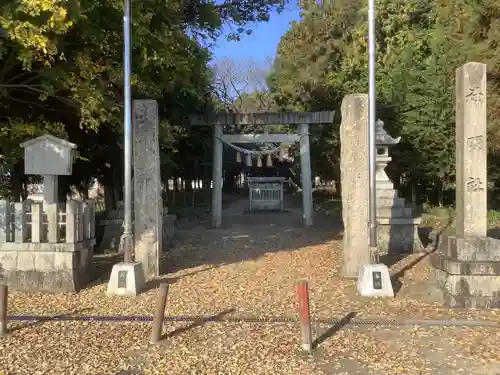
x: 217, y: 177
x: 306, y: 178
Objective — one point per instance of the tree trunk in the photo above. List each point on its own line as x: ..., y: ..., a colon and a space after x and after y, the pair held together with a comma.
x: 338, y: 188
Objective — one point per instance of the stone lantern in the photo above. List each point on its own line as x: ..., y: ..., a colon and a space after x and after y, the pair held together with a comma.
x: 397, y: 228
x: 382, y: 142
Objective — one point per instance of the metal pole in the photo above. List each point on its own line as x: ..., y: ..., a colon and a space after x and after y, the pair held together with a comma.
x: 371, y: 124
x: 127, y: 239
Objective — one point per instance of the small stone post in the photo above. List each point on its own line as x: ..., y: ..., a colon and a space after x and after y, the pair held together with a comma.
x: 20, y: 228
x: 36, y: 222
x: 354, y: 179
x: 471, y: 150
x: 217, y: 178
x: 305, y: 165
x: 5, y: 219
x: 71, y: 221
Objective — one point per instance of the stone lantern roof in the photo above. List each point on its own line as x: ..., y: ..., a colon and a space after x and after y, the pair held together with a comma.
x: 381, y: 136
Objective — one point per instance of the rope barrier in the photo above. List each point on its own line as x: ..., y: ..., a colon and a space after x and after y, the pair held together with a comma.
x: 378, y: 321
x: 250, y: 152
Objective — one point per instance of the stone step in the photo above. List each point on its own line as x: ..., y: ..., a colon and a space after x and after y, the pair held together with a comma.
x: 384, y: 185
x: 394, y: 212
x: 383, y: 193
x: 465, y: 267
x: 394, y: 202
x: 402, y: 221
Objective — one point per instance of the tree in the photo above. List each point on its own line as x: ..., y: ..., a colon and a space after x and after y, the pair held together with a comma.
x: 324, y: 57
x: 61, y: 59
x: 240, y: 85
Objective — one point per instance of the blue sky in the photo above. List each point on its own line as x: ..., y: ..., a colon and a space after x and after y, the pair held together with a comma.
x: 263, y: 41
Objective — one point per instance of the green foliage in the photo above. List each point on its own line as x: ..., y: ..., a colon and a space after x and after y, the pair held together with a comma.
x: 61, y: 72
x: 419, y: 45
x: 15, y: 131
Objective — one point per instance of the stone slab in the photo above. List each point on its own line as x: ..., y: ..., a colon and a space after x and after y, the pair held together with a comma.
x: 393, y: 202
x: 453, y: 266
x: 390, y: 194
x: 394, y: 212
x: 400, y: 221
x: 148, y: 205
x: 374, y: 281
x: 473, y: 248
x: 127, y: 279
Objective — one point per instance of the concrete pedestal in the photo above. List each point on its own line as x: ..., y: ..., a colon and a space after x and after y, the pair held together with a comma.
x: 127, y: 279
x: 374, y: 281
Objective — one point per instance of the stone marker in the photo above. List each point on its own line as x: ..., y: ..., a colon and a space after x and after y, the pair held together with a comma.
x: 471, y: 151
x: 127, y: 279
x: 148, y: 205
x: 374, y: 281
x: 467, y: 266
x: 354, y: 179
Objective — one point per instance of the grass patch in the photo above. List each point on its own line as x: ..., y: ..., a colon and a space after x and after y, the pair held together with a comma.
x: 443, y: 219
x: 331, y: 205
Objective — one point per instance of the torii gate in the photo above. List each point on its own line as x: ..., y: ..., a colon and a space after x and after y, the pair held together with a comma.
x: 302, y: 119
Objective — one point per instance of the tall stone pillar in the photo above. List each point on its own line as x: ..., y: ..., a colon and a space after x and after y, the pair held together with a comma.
x: 306, y: 182
x: 354, y: 179
x: 471, y: 150
x: 466, y: 265
x: 217, y: 177
x: 148, y: 205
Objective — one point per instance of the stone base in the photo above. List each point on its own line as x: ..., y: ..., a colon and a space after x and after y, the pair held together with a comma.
x: 467, y: 272
x: 398, y: 236
x: 62, y: 271
x: 374, y: 281
x: 112, y: 231
x: 168, y: 231
x: 127, y: 279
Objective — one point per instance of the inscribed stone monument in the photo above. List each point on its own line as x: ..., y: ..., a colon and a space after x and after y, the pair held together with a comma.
x: 471, y: 150
x: 148, y: 205
x: 467, y: 266
x: 354, y: 179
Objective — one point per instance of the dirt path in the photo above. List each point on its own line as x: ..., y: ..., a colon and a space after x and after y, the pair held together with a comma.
x: 250, y: 267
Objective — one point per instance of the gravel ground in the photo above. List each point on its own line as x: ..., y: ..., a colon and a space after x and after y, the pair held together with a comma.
x: 250, y: 266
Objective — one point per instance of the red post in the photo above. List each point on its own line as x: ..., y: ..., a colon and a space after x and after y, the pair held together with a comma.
x: 4, y: 292
x: 304, y: 316
x: 161, y: 302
